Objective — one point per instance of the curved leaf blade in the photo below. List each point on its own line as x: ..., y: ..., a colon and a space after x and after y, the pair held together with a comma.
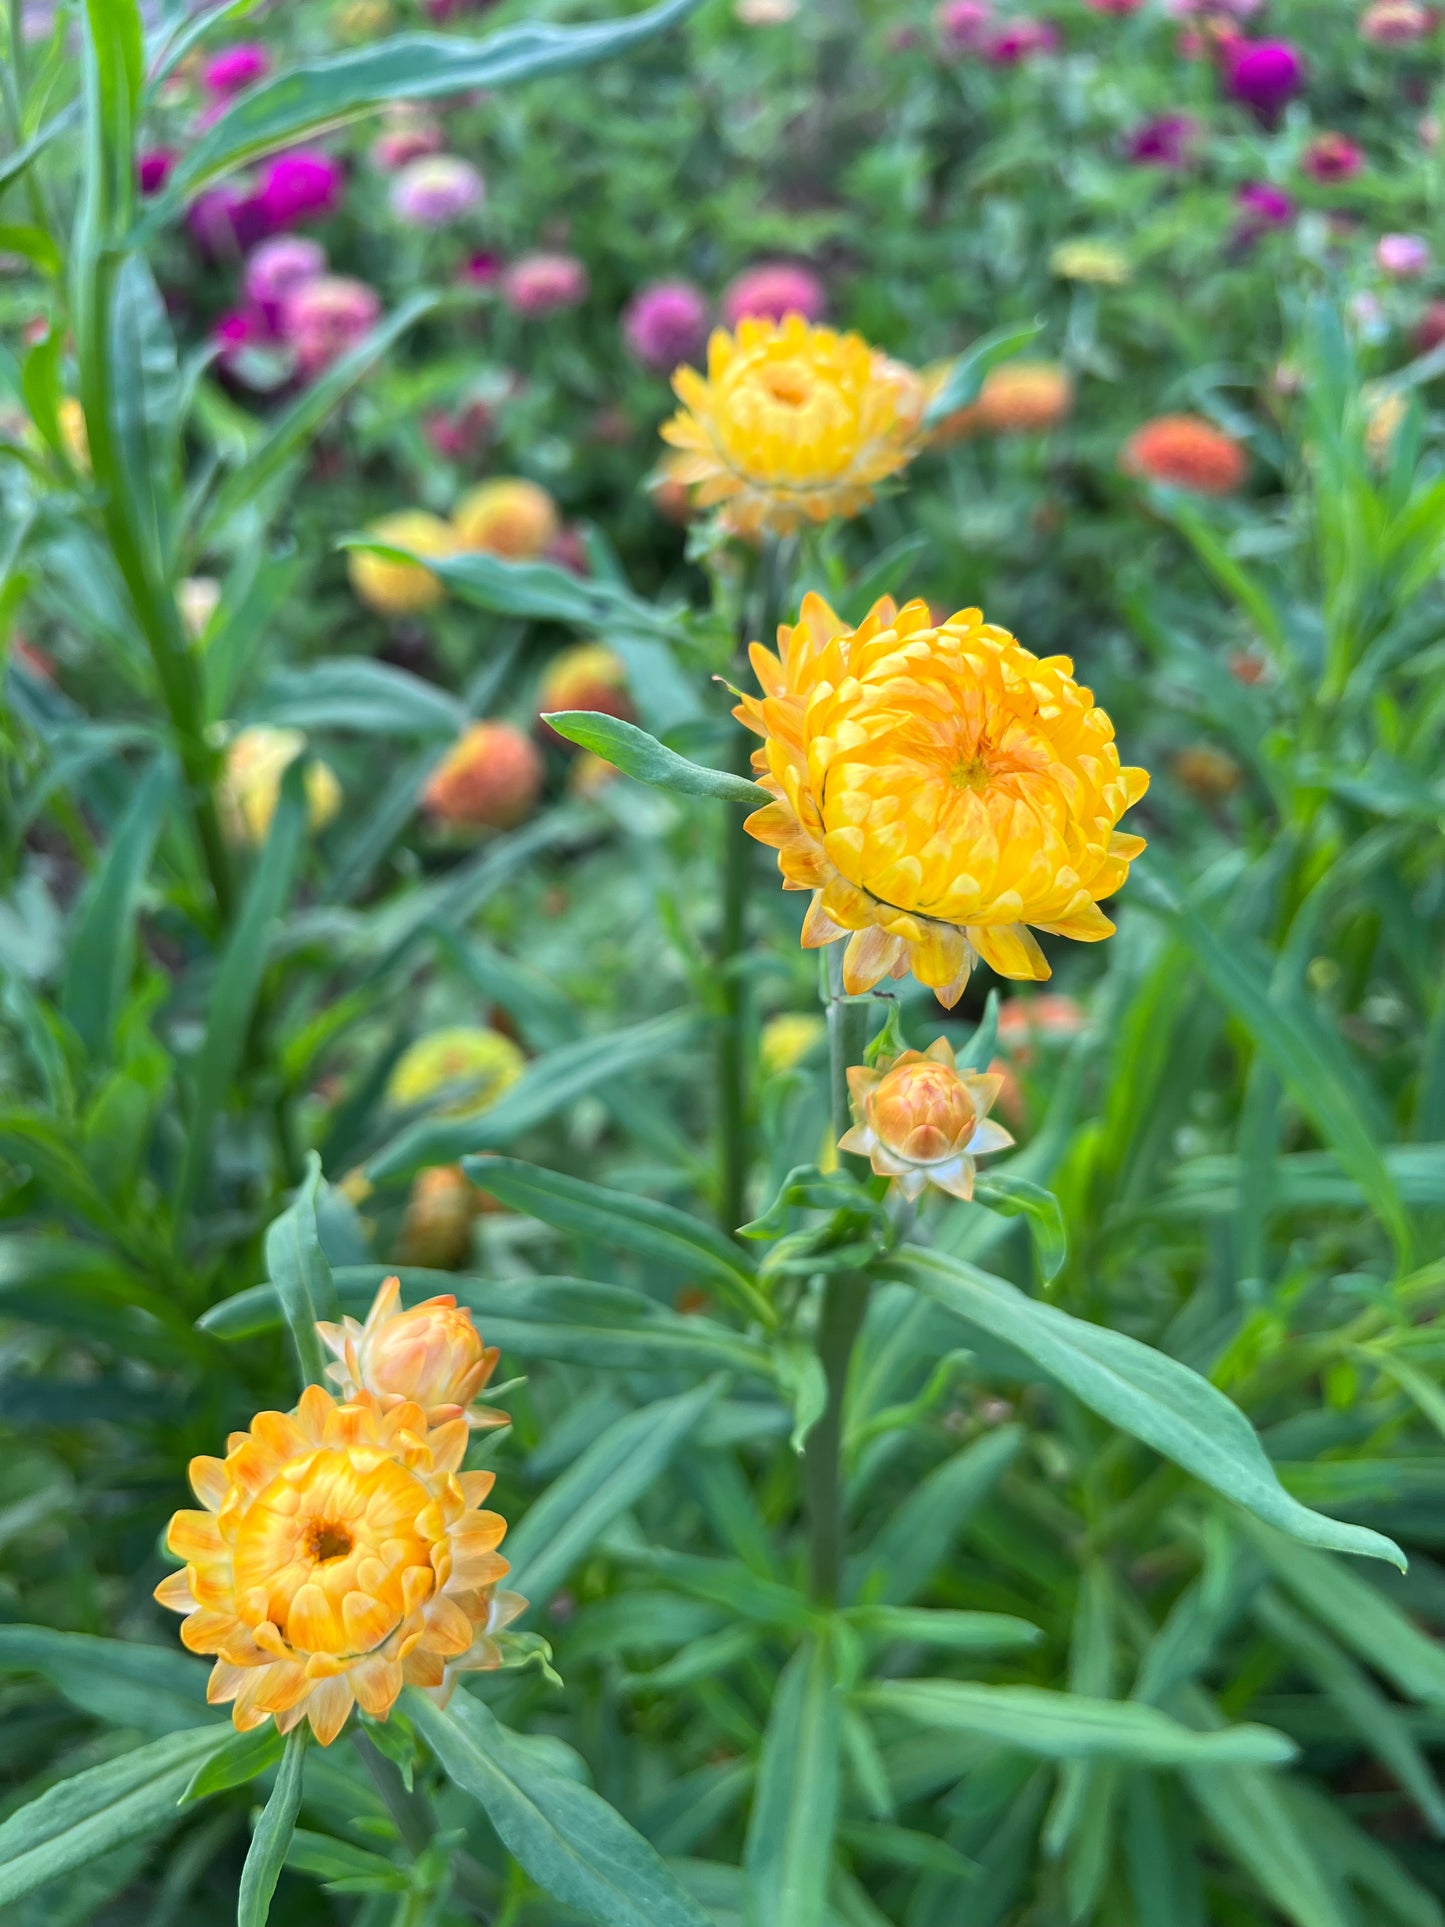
x: 639, y: 755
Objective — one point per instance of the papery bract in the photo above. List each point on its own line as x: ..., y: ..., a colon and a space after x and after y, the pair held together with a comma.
x: 920, y: 1120
x: 431, y: 1354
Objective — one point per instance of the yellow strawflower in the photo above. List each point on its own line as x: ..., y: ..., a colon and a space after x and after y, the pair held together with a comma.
x: 939, y: 790
x: 508, y: 517
x: 1094, y: 261
x: 341, y: 1555
x: 249, y: 790
x: 792, y: 424
x: 432, y: 1355
x: 920, y: 1120
x: 787, y: 1039
x: 402, y: 588
x: 470, y: 1055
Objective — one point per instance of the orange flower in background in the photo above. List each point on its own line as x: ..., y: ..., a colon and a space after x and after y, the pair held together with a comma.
x: 793, y: 424
x: 490, y: 779
x: 432, y: 1355
x: 341, y: 1555
x: 588, y: 676
x: 440, y: 1210
x: 508, y: 517
x: 402, y: 588
x: 939, y: 789
x: 920, y: 1120
x: 1186, y: 451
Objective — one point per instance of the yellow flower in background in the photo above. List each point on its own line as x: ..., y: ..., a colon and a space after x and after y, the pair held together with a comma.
x: 587, y: 676
x: 939, y: 790
x: 787, y: 1039
x: 1385, y: 410
x: 921, y: 1120
x: 465, y: 1055
x: 793, y: 424
x: 1094, y: 261
x: 508, y: 517
x: 74, y: 435
x: 402, y: 588
x: 341, y: 1555
x: 256, y: 761
x: 432, y: 1355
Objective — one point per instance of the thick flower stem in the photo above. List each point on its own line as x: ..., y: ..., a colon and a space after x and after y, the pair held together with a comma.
x: 845, y: 1301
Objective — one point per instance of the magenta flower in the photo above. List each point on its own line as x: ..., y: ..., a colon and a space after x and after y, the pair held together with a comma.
x: 539, y: 284
x: 153, y: 169
x: 482, y: 269
x: 1333, y: 157
x: 436, y: 190
x: 1019, y: 40
x: 1404, y: 257
x: 1119, y: 8
x: 236, y: 333
x: 463, y: 434
x: 225, y: 220
x: 1262, y: 207
x: 324, y: 318
x: 277, y: 268
x: 1165, y: 142
x: 1264, y: 75
x: 666, y: 324
x: 962, y: 25
x: 236, y: 69
x: 301, y: 186
x: 1430, y: 329
x: 774, y: 289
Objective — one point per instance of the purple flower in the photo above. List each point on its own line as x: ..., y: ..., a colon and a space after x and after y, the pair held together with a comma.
x: 539, y: 284
x: 301, y: 186
x: 1402, y: 256
x: 1265, y: 206
x: 1019, y: 40
x: 1333, y: 157
x: 436, y: 190
x: 225, y: 221
x: 666, y: 324
x: 480, y: 270
x: 1164, y: 142
x: 963, y: 24
x: 153, y: 169
x: 235, y: 334
x: 237, y: 68
x: 1264, y: 74
x: 277, y: 268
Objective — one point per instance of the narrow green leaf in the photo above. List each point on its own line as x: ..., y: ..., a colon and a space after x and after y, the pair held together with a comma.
x: 566, y: 1839
x: 1071, y: 1726
x: 921, y: 1534
x: 155, y: 1689
x: 13, y: 165
x: 637, y: 754
x: 1016, y: 1197
x: 269, y: 1843
x: 360, y: 696
x: 1248, y: 1816
x: 609, y: 1477
x: 79, y: 1819
x: 965, y: 377
x: 301, y: 1275
x: 788, y: 1859
x: 1145, y: 1393
x: 239, y: 1760
x: 960, y: 1632
x: 34, y: 243
x: 101, y: 939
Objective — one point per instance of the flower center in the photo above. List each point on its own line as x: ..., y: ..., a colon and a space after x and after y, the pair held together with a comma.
x: 325, y: 1540
x: 789, y: 386
x: 972, y: 772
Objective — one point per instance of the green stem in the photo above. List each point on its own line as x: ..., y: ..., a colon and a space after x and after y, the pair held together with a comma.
x: 845, y: 1302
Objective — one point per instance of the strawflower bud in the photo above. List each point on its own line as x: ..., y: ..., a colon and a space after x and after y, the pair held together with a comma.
x: 256, y: 761
x: 587, y: 676
x: 1185, y: 451
x: 197, y: 597
x: 1333, y: 157
x: 1096, y: 262
x: 922, y: 1121
x: 482, y: 1063
x: 402, y: 588
x: 1025, y: 398
x: 539, y: 284
x: 490, y: 780
x: 1395, y: 23
x: 773, y: 290
x: 436, y: 190
x: 431, y: 1356
x: 788, y: 1038
x: 325, y: 318
x: 507, y: 517
x: 277, y: 268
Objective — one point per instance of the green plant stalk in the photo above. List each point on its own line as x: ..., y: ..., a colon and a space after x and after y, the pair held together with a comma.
x: 845, y: 1301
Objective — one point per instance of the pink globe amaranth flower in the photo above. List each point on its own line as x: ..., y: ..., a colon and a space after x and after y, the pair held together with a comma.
x: 1395, y: 23
x: 153, y: 169
x: 234, y: 70
x: 436, y: 190
x: 1333, y: 157
x: 962, y: 25
x: 1164, y: 142
x: 539, y: 284
x: 326, y: 317
x: 237, y: 331
x: 301, y: 186
x: 774, y: 290
x: 1264, y: 75
x: 1262, y: 206
x: 481, y: 270
x: 1404, y: 257
x: 225, y: 221
x: 277, y: 268
x: 407, y: 140
x: 666, y: 324
x: 1018, y: 40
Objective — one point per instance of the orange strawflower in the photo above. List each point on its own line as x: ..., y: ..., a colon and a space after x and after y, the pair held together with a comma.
x: 587, y: 676
x: 920, y: 1120
x: 939, y: 789
x: 490, y: 780
x: 508, y: 517
x: 432, y: 1356
x: 1186, y: 452
x: 793, y: 424
x: 341, y: 1555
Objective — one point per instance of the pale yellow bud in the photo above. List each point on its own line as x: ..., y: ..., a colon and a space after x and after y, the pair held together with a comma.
x: 921, y: 1120
x: 256, y: 761
x: 432, y: 1355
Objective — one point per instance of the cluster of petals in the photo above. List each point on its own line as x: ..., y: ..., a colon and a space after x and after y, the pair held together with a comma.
x: 920, y: 1120
x: 940, y: 790
x: 431, y: 1355
x: 340, y: 1554
x: 793, y: 423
